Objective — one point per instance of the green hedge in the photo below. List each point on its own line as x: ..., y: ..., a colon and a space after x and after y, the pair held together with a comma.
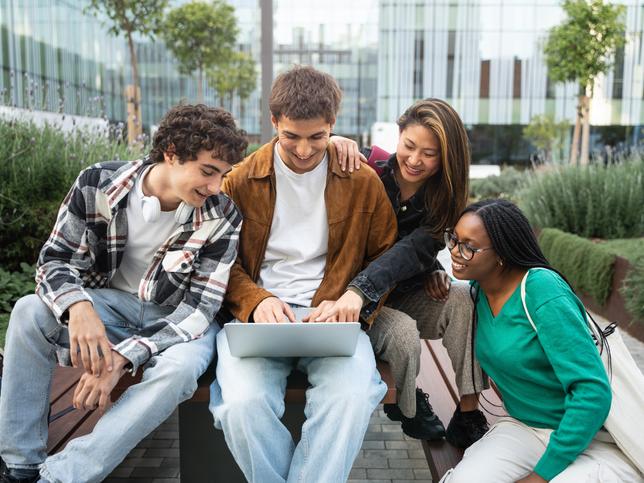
x: 38, y: 167
x: 587, y: 266
x: 633, y: 289
x: 594, y: 201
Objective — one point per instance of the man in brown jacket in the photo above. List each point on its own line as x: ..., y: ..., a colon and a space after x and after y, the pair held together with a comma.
x: 308, y: 229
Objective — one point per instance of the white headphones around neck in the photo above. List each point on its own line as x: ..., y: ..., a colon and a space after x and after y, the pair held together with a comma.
x: 151, y: 210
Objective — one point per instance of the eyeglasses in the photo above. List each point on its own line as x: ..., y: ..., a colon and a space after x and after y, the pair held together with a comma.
x: 466, y: 250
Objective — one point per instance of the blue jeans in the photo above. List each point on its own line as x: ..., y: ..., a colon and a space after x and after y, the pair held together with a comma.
x: 32, y: 339
x: 247, y: 402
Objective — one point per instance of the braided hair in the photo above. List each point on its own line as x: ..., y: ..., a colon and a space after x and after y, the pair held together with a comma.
x: 516, y: 244
x: 511, y: 234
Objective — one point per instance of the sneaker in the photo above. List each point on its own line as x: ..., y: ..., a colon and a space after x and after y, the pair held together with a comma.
x: 466, y: 428
x: 393, y: 412
x: 425, y: 425
x: 6, y: 476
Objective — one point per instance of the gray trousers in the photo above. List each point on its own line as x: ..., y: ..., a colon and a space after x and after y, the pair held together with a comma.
x: 405, y: 319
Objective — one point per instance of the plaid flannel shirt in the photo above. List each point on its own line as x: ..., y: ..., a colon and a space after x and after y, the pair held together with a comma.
x: 188, y: 272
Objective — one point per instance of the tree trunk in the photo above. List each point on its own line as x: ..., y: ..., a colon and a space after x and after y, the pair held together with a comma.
x: 200, y: 86
x: 585, y: 132
x: 133, y: 97
x: 574, y: 145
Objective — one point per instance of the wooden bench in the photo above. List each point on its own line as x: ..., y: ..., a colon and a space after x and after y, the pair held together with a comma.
x: 200, y: 441
x: 437, y: 378
x: 204, y: 455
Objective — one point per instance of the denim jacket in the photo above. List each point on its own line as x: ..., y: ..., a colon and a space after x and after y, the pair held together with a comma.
x: 403, y: 266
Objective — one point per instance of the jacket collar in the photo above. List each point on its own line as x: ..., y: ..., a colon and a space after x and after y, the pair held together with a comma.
x: 263, y: 167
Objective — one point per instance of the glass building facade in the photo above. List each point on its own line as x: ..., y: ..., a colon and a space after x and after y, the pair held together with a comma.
x: 486, y: 58
x: 340, y: 38
x: 56, y: 57
x: 483, y: 56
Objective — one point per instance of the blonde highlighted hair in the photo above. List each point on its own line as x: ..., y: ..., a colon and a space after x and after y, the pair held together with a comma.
x: 447, y: 191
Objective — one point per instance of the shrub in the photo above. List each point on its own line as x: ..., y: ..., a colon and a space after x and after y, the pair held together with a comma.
x: 633, y: 289
x: 593, y: 201
x: 14, y: 285
x: 588, y: 266
x: 38, y: 167
x: 506, y: 185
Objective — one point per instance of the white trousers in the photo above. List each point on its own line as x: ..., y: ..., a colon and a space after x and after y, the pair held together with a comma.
x: 510, y: 450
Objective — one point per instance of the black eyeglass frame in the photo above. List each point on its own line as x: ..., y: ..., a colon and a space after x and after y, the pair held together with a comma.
x: 451, y: 241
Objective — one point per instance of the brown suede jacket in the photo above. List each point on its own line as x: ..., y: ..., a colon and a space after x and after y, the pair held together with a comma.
x: 362, y: 226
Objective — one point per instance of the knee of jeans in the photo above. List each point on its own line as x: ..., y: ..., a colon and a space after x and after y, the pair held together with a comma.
x: 356, y: 394
x: 241, y: 406
x: 28, y: 313
x: 178, y: 378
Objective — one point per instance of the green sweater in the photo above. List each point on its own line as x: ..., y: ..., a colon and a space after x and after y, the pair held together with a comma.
x: 553, y: 378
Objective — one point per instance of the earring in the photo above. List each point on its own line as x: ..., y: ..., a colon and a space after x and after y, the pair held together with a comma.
x: 501, y: 262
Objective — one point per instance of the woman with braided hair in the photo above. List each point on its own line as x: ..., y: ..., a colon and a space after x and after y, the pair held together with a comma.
x: 548, y: 370
x: 426, y: 180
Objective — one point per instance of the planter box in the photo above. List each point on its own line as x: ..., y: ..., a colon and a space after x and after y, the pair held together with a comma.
x: 614, y: 309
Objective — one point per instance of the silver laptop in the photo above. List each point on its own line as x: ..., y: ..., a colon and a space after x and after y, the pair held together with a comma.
x: 292, y: 339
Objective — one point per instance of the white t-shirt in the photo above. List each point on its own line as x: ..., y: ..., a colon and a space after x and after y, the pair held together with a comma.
x: 295, y: 256
x: 143, y: 240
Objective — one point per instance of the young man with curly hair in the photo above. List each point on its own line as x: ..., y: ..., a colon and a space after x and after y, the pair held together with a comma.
x: 309, y: 228
x: 130, y: 278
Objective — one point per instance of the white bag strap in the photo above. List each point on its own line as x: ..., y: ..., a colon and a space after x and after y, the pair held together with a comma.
x: 591, y: 327
x: 525, y: 306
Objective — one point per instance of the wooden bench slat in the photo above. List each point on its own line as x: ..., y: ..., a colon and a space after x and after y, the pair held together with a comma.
x: 64, y: 379
x: 61, y: 429
x: 437, y: 378
x: 441, y: 455
x: 84, y: 426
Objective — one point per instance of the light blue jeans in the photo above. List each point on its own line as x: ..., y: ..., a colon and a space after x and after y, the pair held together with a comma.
x: 247, y: 402
x: 33, y: 336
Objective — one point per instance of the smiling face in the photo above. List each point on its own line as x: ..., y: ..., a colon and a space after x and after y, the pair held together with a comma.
x: 302, y: 142
x: 193, y: 181
x: 418, y: 154
x: 470, y: 230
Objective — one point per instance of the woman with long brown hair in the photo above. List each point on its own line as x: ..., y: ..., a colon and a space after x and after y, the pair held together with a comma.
x: 426, y: 180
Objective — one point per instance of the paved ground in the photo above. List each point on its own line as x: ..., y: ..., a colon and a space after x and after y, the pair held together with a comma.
x: 387, y: 455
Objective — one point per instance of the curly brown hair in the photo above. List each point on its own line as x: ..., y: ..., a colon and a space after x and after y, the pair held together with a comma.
x: 304, y: 93
x: 187, y: 129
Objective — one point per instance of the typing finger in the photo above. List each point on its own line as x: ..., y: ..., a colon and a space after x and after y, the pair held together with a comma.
x: 314, y: 314
x: 326, y: 314
x: 288, y: 311
x: 278, y: 314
